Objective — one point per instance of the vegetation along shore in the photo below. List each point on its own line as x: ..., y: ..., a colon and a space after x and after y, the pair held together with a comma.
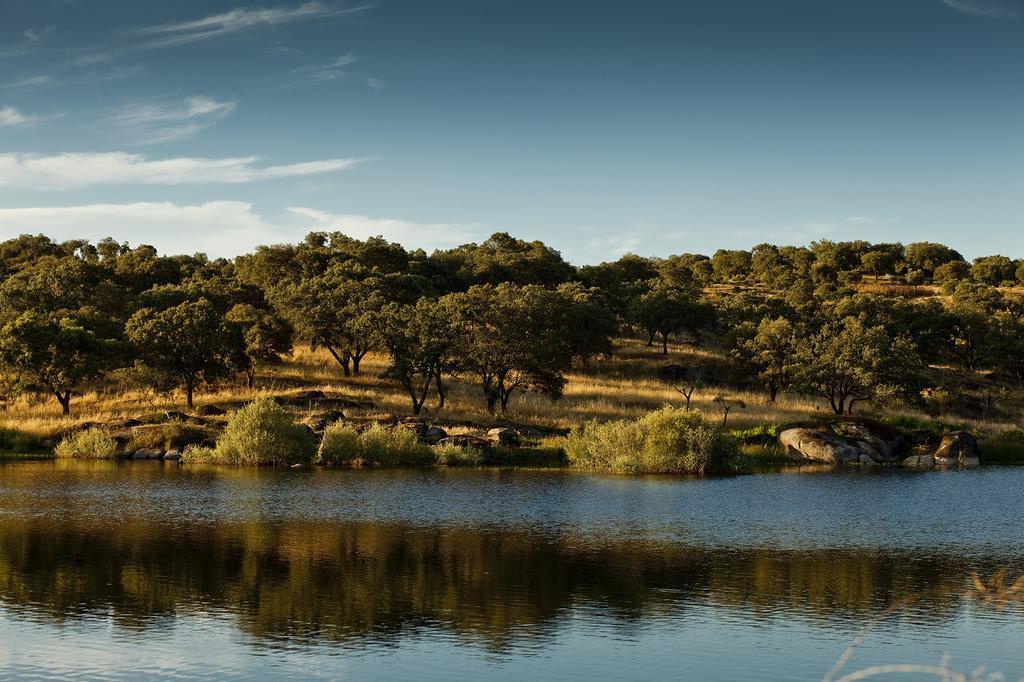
x: 345, y: 352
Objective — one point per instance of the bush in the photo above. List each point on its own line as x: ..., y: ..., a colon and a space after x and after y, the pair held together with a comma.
x: 668, y: 440
x: 89, y: 444
x: 262, y: 432
x: 340, y: 445
x: 385, y: 446
x: 453, y: 455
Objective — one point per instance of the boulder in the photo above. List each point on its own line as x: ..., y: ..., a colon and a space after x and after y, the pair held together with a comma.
x: 919, y: 462
x: 959, y: 449
x: 843, y: 442
x: 210, y: 411
x: 148, y: 453
x: 172, y: 456
x: 434, y: 434
x: 505, y: 437
x: 327, y: 419
x: 467, y: 441
x: 419, y: 428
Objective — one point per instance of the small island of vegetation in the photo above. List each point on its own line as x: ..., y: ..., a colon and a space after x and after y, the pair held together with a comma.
x: 346, y: 352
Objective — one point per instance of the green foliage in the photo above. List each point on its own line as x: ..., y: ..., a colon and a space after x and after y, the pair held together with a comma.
x: 53, y: 354
x: 1002, y: 448
x: 847, y: 362
x: 379, y: 445
x: 453, y: 455
x: 666, y: 311
x: 190, y: 341
x: 262, y: 432
x: 265, y: 337
x: 89, y: 444
x: 669, y: 440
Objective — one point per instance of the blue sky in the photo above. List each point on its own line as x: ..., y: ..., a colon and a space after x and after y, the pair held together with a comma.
x: 600, y: 127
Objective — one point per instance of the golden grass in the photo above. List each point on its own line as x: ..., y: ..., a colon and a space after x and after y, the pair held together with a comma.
x: 623, y: 386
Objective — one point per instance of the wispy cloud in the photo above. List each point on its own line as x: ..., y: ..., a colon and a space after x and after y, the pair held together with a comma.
x: 93, y: 58
x: 47, y: 80
x: 408, y: 233
x: 376, y: 84
x: 156, y: 122
x: 11, y: 117
x: 237, y: 21
x: 991, y: 9
x: 30, y: 38
x: 75, y: 171
x: 334, y: 70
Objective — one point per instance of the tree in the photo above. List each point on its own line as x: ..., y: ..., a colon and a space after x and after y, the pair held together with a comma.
x: 503, y: 258
x: 729, y: 265
x: 667, y: 311
x: 421, y: 339
x: 848, y: 362
x: 189, y: 341
x: 770, y: 353
x: 265, y: 337
x: 515, y: 338
x: 54, y: 354
x: 927, y: 256
x: 879, y: 263
x: 994, y: 270
x: 336, y: 311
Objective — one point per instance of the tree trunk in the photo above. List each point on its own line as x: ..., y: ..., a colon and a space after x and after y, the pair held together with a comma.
x: 773, y: 393
x: 189, y: 388
x: 250, y: 377
x: 664, y: 343
x: 441, y: 390
x: 65, y: 402
x: 650, y: 338
x: 356, y: 359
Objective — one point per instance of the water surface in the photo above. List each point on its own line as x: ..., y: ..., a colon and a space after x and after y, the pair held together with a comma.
x: 143, y: 569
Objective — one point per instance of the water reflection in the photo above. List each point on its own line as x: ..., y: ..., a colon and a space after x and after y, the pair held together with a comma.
x: 368, y: 560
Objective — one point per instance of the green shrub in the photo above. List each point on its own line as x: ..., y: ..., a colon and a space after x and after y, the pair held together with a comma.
x: 197, y: 454
x: 453, y: 455
x: 668, y: 440
x: 262, y: 432
x: 89, y: 444
x: 340, y: 445
x: 392, y: 446
x: 379, y: 445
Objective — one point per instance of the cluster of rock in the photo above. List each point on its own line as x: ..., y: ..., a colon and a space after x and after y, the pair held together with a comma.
x: 863, y: 441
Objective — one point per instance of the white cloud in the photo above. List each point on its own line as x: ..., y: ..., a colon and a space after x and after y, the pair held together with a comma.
x: 155, y: 122
x: 376, y: 84
x: 409, y: 234
x: 218, y: 228
x: 237, y: 21
x: 334, y: 70
x: 75, y: 171
x: 93, y: 58
x: 31, y: 37
x: 49, y: 80
x: 991, y: 9
x: 10, y: 117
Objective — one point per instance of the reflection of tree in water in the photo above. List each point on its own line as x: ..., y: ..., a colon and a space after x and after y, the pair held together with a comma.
x: 368, y: 581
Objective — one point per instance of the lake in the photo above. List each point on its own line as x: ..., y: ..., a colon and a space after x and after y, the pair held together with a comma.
x: 138, y: 570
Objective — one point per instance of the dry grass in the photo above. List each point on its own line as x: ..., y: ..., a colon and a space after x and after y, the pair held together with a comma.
x: 623, y: 386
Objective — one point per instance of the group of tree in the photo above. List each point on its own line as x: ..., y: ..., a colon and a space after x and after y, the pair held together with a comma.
x: 510, y: 314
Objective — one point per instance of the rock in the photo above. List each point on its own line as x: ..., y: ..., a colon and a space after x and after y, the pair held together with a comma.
x: 505, y: 437
x: 959, y: 449
x: 129, y: 423
x: 148, y: 453
x: 174, y: 415
x: 172, y: 456
x: 672, y: 373
x: 210, y: 411
x: 919, y: 462
x: 327, y: 419
x: 419, y: 428
x: 467, y: 441
x: 182, y: 441
x: 434, y: 434
x: 843, y: 442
